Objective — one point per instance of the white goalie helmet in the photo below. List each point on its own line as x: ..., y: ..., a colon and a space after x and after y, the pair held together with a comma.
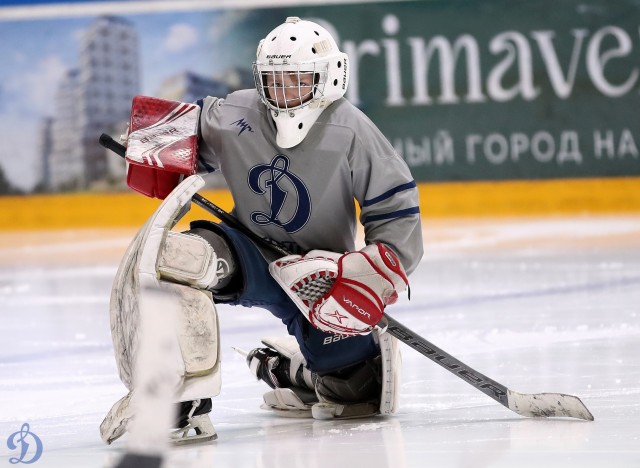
x: 298, y: 72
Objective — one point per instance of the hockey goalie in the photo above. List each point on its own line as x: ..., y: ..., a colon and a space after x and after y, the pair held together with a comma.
x: 295, y: 155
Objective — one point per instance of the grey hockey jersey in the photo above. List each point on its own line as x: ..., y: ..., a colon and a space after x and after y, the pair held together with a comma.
x: 303, y: 197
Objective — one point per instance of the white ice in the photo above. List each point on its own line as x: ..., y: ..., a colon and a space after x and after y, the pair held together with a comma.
x: 539, y: 305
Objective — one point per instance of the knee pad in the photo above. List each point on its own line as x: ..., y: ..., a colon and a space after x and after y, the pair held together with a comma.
x: 202, y: 257
x: 191, y: 259
x: 196, y: 317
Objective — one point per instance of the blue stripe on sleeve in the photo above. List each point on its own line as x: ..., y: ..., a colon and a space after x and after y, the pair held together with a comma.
x: 393, y: 214
x: 390, y: 193
x: 200, y: 103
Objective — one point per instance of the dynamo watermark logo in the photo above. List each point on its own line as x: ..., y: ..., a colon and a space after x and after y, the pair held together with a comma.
x: 28, y: 445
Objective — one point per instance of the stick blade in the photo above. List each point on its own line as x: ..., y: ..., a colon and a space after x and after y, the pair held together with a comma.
x: 548, y: 405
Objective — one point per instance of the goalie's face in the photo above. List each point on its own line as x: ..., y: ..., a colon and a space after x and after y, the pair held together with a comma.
x: 288, y: 90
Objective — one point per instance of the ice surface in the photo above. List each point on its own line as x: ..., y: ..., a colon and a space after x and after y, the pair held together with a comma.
x: 540, y: 305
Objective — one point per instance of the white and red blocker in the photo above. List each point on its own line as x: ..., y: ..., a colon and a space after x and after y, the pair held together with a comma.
x: 162, y: 145
x: 342, y: 294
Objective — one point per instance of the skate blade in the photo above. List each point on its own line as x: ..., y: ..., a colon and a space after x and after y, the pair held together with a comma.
x: 194, y: 439
x: 327, y: 411
x: 288, y: 413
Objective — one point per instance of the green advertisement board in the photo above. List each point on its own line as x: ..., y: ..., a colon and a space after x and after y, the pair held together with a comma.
x: 492, y: 90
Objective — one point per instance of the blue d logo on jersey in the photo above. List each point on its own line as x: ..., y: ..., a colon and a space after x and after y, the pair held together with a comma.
x: 282, y: 200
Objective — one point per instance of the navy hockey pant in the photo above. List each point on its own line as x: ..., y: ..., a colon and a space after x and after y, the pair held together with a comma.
x: 323, y: 352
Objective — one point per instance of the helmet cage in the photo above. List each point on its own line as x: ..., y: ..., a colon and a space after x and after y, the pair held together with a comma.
x: 308, y: 78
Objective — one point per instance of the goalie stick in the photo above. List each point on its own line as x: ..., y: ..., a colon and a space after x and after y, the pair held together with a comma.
x: 524, y: 404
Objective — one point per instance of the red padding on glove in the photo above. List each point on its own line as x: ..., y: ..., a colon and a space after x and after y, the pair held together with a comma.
x: 359, y: 304
x: 152, y: 182
x: 169, y: 145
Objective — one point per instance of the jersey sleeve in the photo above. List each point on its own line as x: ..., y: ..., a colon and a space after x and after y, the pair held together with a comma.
x: 387, y: 195
x: 209, y: 142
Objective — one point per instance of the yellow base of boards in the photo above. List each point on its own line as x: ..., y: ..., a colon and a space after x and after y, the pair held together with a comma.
x: 531, y: 198
x: 477, y: 199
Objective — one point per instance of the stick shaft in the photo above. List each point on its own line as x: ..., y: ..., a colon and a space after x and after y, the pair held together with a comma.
x: 480, y: 381
x: 234, y: 223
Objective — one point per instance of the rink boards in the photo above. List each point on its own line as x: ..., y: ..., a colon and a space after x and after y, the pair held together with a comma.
x: 446, y: 199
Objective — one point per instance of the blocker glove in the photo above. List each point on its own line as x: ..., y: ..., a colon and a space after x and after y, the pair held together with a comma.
x: 342, y: 294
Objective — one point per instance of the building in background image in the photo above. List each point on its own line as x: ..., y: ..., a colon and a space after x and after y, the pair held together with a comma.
x: 66, y: 155
x: 109, y: 79
x: 94, y: 98
x: 45, y: 146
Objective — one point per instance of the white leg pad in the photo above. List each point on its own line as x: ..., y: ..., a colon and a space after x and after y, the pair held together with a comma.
x: 199, y: 343
x: 391, y: 372
x: 116, y: 421
x: 197, y: 323
x: 137, y: 271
